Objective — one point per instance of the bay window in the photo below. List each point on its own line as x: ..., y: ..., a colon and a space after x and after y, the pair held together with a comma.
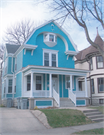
x: 10, y: 81
x: 28, y: 82
x: 92, y: 85
x: 38, y: 82
x: 100, y: 85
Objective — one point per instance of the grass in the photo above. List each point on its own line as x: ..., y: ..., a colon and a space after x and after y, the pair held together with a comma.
x: 91, y: 132
x: 65, y: 117
x: 2, y: 106
x: 100, y: 108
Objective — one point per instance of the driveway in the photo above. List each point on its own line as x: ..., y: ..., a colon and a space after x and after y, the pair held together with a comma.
x: 22, y: 122
x: 15, y: 121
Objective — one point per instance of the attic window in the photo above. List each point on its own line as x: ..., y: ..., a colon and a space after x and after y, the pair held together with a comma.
x: 50, y: 39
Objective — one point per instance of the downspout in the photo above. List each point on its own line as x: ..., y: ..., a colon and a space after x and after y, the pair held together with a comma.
x: 13, y: 76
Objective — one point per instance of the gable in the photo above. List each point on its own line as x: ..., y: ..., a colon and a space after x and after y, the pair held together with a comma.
x: 52, y: 27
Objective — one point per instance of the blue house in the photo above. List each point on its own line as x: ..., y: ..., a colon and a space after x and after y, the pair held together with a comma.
x: 42, y: 73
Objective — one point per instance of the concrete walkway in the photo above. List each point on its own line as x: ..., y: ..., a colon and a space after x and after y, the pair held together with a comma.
x: 23, y: 122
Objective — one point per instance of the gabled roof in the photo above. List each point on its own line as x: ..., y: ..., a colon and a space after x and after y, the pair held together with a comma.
x: 88, y: 51
x: 12, y: 48
x: 74, y: 45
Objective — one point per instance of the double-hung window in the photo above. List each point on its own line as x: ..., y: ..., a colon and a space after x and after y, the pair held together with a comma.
x: 10, y: 81
x: 100, y: 84
x: 28, y: 82
x: 50, y: 58
x: 38, y: 82
x: 100, y: 63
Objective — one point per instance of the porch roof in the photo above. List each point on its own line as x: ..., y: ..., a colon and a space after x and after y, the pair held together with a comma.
x: 53, y: 70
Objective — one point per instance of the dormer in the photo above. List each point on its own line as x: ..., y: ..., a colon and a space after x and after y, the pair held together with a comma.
x: 50, y: 39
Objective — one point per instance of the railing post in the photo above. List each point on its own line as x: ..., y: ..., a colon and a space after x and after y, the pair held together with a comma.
x: 31, y: 94
x: 86, y: 87
x: 50, y: 84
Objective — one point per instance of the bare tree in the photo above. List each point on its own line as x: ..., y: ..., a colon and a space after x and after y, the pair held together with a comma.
x: 82, y: 11
x: 1, y: 52
x: 18, y: 33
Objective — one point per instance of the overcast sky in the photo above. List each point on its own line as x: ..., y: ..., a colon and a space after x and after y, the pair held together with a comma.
x: 12, y: 11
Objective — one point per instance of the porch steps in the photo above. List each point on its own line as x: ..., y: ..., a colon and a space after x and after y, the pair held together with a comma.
x: 66, y: 102
x: 94, y: 115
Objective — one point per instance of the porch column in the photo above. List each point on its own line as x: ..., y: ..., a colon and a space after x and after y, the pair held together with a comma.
x: 50, y: 84
x: 31, y: 93
x: 86, y: 87
x: 71, y: 86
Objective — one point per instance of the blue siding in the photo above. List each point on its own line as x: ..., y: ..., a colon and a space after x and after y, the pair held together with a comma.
x: 18, y: 85
x: 80, y: 102
x: 65, y: 91
x: 44, y: 103
x: 20, y: 60
x: 60, y: 85
x: 9, y: 95
x: 37, y: 57
x: 48, y: 28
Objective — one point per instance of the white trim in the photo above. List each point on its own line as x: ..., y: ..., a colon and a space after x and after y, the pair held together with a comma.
x: 62, y: 87
x: 71, y: 53
x: 50, y: 52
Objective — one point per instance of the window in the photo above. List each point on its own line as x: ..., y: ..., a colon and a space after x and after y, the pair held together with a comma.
x: 100, y: 84
x: 50, y: 39
x: 53, y: 60
x: 28, y: 82
x: 101, y: 101
x: 99, y: 62
x: 10, y: 86
x: 46, y: 59
x: 15, y: 64
x: 90, y: 64
x: 15, y: 86
x: 5, y: 66
x: 80, y: 85
x: 38, y: 82
x: 67, y: 82
x: 50, y: 58
x: 92, y: 85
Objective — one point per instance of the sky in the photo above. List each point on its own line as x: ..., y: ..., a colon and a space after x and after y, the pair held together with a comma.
x: 13, y: 11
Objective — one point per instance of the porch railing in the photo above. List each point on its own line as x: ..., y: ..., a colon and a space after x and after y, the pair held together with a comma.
x: 41, y: 93
x: 80, y: 93
x: 72, y: 96
x: 56, y: 97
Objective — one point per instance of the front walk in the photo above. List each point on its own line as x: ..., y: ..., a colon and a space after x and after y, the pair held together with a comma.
x: 22, y: 122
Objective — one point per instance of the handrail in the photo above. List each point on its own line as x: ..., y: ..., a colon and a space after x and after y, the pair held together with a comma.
x: 72, y: 96
x: 56, y: 97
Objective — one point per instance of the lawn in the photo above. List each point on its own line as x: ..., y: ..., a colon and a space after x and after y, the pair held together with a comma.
x: 91, y: 132
x: 100, y: 108
x: 65, y: 117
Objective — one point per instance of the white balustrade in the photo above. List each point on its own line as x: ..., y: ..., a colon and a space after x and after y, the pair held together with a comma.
x: 56, y: 97
x: 80, y: 93
x: 72, y: 96
x: 41, y: 93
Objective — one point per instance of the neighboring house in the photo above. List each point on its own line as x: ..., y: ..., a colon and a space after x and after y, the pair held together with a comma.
x: 90, y: 59
x: 42, y: 71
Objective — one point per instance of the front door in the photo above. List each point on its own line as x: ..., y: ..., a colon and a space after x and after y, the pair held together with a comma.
x: 55, y: 83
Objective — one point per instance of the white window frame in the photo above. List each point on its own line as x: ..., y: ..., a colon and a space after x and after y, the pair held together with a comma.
x: 41, y: 81
x: 50, y: 56
x: 66, y: 81
x: 8, y: 85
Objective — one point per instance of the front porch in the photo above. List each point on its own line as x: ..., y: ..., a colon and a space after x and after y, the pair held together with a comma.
x: 55, y: 85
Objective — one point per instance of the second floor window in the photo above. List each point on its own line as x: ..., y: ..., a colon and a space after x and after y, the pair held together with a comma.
x: 50, y: 59
x: 100, y: 63
x: 10, y: 86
